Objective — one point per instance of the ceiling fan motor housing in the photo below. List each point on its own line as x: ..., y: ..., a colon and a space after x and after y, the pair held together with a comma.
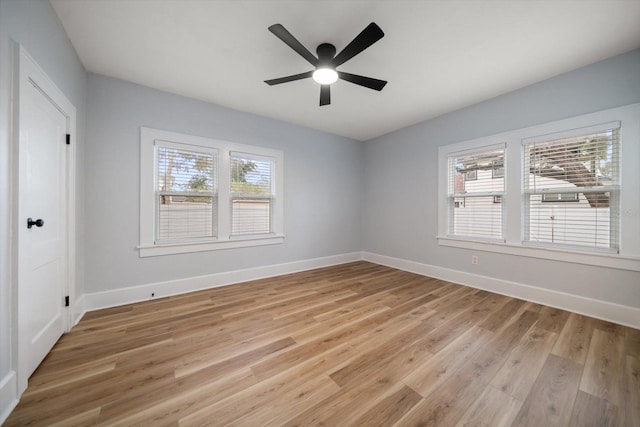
x: 326, y: 52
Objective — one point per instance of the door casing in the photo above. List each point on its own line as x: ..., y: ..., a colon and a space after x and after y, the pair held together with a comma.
x: 27, y: 71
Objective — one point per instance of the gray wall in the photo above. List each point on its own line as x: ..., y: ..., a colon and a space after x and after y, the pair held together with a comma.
x: 35, y: 25
x: 322, y: 173
x: 401, y: 179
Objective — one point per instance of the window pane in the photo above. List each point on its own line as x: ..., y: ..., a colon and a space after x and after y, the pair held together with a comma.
x: 571, y: 187
x: 560, y: 197
x: 497, y: 169
x: 480, y: 172
x: 250, y: 176
x: 186, y: 217
x: 476, y: 185
x: 185, y: 199
x: 584, y: 161
x: 471, y: 175
x: 576, y: 224
x: 251, y: 194
x: 184, y: 170
x: 251, y: 216
x: 477, y: 217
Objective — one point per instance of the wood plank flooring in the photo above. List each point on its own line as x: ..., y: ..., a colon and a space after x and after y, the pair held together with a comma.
x: 352, y: 345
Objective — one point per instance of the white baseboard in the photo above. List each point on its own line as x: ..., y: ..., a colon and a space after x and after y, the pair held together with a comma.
x: 617, y: 313
x: 122, y: 296
x: 78, y: 310
x: 8, y: 398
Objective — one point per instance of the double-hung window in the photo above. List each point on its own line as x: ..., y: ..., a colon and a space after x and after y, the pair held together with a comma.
x: 251, y: 194
x: 199, y: 194
x: 565, y: 190
x: 474, y: 205
x: 186, y: 199
x: 582, y: 169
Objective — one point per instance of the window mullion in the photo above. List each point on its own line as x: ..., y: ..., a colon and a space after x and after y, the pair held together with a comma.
x: 224, y: 197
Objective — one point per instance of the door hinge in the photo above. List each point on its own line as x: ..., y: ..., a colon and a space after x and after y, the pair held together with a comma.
x: 66, y: 301
x: 68, y: 139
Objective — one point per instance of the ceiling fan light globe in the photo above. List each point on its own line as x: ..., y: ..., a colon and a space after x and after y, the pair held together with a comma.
x: 325, y: 76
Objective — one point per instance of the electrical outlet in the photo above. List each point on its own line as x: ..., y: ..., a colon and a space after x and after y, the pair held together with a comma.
x: 474, y: 259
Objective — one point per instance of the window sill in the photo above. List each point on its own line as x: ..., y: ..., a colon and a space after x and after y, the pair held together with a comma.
x: 599, y: 259
x: 183, y: 248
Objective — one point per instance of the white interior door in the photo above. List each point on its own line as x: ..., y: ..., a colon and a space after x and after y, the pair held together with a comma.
x: 42, y: 248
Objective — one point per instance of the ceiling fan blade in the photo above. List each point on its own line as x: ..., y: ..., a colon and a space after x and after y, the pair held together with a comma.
x: 293, y: 43
x: 289, y: 78
x: 369, y: 82
x: 325, y: 95
x: 366, y: 38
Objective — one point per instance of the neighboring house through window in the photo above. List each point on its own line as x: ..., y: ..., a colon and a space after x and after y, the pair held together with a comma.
x: 472, y: 211
x: 565, y: 190
x: 560, y: 197
x: 554, y: 168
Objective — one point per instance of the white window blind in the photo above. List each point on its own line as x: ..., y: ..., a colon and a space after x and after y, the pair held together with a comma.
x: 185, y: 192
x: 476, y: 187
x: 251, y: 194
x: 571, y: 189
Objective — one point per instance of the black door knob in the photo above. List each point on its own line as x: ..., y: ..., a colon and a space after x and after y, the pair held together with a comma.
x: 38, y: 222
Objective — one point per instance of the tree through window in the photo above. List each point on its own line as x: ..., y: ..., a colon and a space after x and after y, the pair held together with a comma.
x: 251, y: 194
x: 583, y: 169
x: 185, y: 192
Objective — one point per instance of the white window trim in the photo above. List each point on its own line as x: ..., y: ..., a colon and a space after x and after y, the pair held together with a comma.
x: 628, y: 257
x: 147, y: 246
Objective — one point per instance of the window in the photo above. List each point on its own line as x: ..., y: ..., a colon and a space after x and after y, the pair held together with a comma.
x: 497, y: 169
x: 471, y: 175
x: 185, y: 192
x: 559, y: 197
x: 553, y: 169
x: 200, y: 194
x: 565, y: 190
x: 473, y: 210
x: 251, y: 194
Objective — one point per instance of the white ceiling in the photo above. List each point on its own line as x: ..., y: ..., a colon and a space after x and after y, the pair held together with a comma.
x: 437, y: 55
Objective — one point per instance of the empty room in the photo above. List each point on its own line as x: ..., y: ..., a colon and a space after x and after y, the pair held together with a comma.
x: 305, y: 213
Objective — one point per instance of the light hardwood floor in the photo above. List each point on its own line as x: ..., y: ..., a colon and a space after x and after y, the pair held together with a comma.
x: 356, y: 344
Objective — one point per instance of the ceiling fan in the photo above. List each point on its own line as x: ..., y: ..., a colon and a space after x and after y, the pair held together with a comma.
x: 327, y: 61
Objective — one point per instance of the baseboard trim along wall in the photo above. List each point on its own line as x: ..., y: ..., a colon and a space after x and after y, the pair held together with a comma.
x: 122, y: 296
x: 8, y: 399
x: 78, y: 310
x: 617, y: 313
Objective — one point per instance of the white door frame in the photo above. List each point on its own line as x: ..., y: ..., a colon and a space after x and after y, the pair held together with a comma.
x: 27, y: 72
